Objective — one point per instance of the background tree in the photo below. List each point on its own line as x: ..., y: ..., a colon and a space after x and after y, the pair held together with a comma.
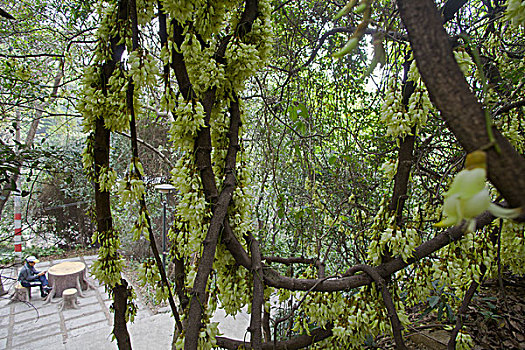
x: 303, y: 174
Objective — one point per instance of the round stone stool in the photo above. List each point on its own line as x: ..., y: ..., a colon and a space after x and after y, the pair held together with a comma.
x: 69, y: 299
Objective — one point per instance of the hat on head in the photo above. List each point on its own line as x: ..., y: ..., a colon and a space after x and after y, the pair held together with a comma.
x: 32, y: 259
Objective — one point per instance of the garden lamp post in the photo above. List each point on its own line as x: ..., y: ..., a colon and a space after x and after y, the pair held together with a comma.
x: 166, y: 189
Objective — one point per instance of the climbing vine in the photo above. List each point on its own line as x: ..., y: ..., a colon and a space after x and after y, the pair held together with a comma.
x: 358, y: 233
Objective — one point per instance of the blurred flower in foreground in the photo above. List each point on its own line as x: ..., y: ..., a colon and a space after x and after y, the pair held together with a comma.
x: 468, y: 196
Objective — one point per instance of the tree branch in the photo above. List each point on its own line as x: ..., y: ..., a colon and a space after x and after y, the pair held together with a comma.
x: 32, y: 55
x: 258, y: 294
x: 274, y: 279
x: 234, y: 246
x: 294, y: 343
x: 150, y: 147
x: 459, y: 107
x: 290, y: 260
x: 220, y: 209
x: 387, y: 298
x: 508, y: 107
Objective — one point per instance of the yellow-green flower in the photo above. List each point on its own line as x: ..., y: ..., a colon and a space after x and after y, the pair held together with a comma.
x: 468, y: 196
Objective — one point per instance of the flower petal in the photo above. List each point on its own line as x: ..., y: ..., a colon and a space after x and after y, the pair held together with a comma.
x: 506, y: 213
x: 476, y: 204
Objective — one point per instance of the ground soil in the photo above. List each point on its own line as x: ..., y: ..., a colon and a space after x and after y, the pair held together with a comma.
x: 495, y: 319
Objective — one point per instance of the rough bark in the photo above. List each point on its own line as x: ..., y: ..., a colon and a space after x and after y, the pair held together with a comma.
x: 297, y: 342
x: 101, y: 149
x: 267, y: 333
x: 289, y: 260
x: 179, y: 283
x: 220, y: 209
x: 120, y: 306
x: 234, y: 246
x: 459, y: 107
x: 258, y: 294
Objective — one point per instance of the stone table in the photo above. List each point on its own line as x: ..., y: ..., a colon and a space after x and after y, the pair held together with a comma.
x: 69, y: 274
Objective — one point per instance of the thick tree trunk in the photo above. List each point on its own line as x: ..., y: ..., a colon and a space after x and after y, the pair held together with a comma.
x: 104, y: 224
x: 459, y: 107
x: 101, y: 149
x: 120, y: 305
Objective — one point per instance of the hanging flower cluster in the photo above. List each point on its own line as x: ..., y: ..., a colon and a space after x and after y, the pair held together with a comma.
x: 104, y: 100
x: 400, y: 243
x: 108, y: 266
x: 513, y: 247
x: 515, y: 12
x: 190, y: 119
x: 389, y: 169
x: 400, y: 120
x: 233, y: 283
x: 145, y: 11
x: 149, y: 275
x: 143, y: 69
x: 204, y: 71
x: 107, y: 179
x: 512, y: 130
x: 364, y: 316
x: 464, y: 61
x: 464, y: 341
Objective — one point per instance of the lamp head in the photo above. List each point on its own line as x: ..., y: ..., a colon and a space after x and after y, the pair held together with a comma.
x: 165, y: 188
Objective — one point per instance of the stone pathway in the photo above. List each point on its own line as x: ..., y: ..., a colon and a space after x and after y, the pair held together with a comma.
x: 35, y: 325
x: 38, y: 326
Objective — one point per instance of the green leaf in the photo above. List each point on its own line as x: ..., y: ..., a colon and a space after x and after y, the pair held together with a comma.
x: 302, y: 111
x: 300, y: 127
x: 433, y: 301
x: 450, y: 313
x: 332, y: 159
x: 292, y: 112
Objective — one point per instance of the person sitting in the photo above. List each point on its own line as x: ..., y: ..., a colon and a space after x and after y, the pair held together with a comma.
x: 30, y: 277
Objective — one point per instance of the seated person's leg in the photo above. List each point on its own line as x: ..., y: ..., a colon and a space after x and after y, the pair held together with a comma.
x: 44, y: 285
x: 42, y: 279
x: 25, y: 284
x: 33, y: 283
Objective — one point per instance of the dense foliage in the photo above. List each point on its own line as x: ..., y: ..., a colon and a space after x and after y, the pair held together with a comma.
x: 317, y: 150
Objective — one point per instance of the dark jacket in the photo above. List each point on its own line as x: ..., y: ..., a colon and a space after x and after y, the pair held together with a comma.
x: 28, y: 273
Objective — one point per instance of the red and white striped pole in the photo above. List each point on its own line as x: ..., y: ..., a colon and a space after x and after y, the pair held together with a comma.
x: 18, y: 223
